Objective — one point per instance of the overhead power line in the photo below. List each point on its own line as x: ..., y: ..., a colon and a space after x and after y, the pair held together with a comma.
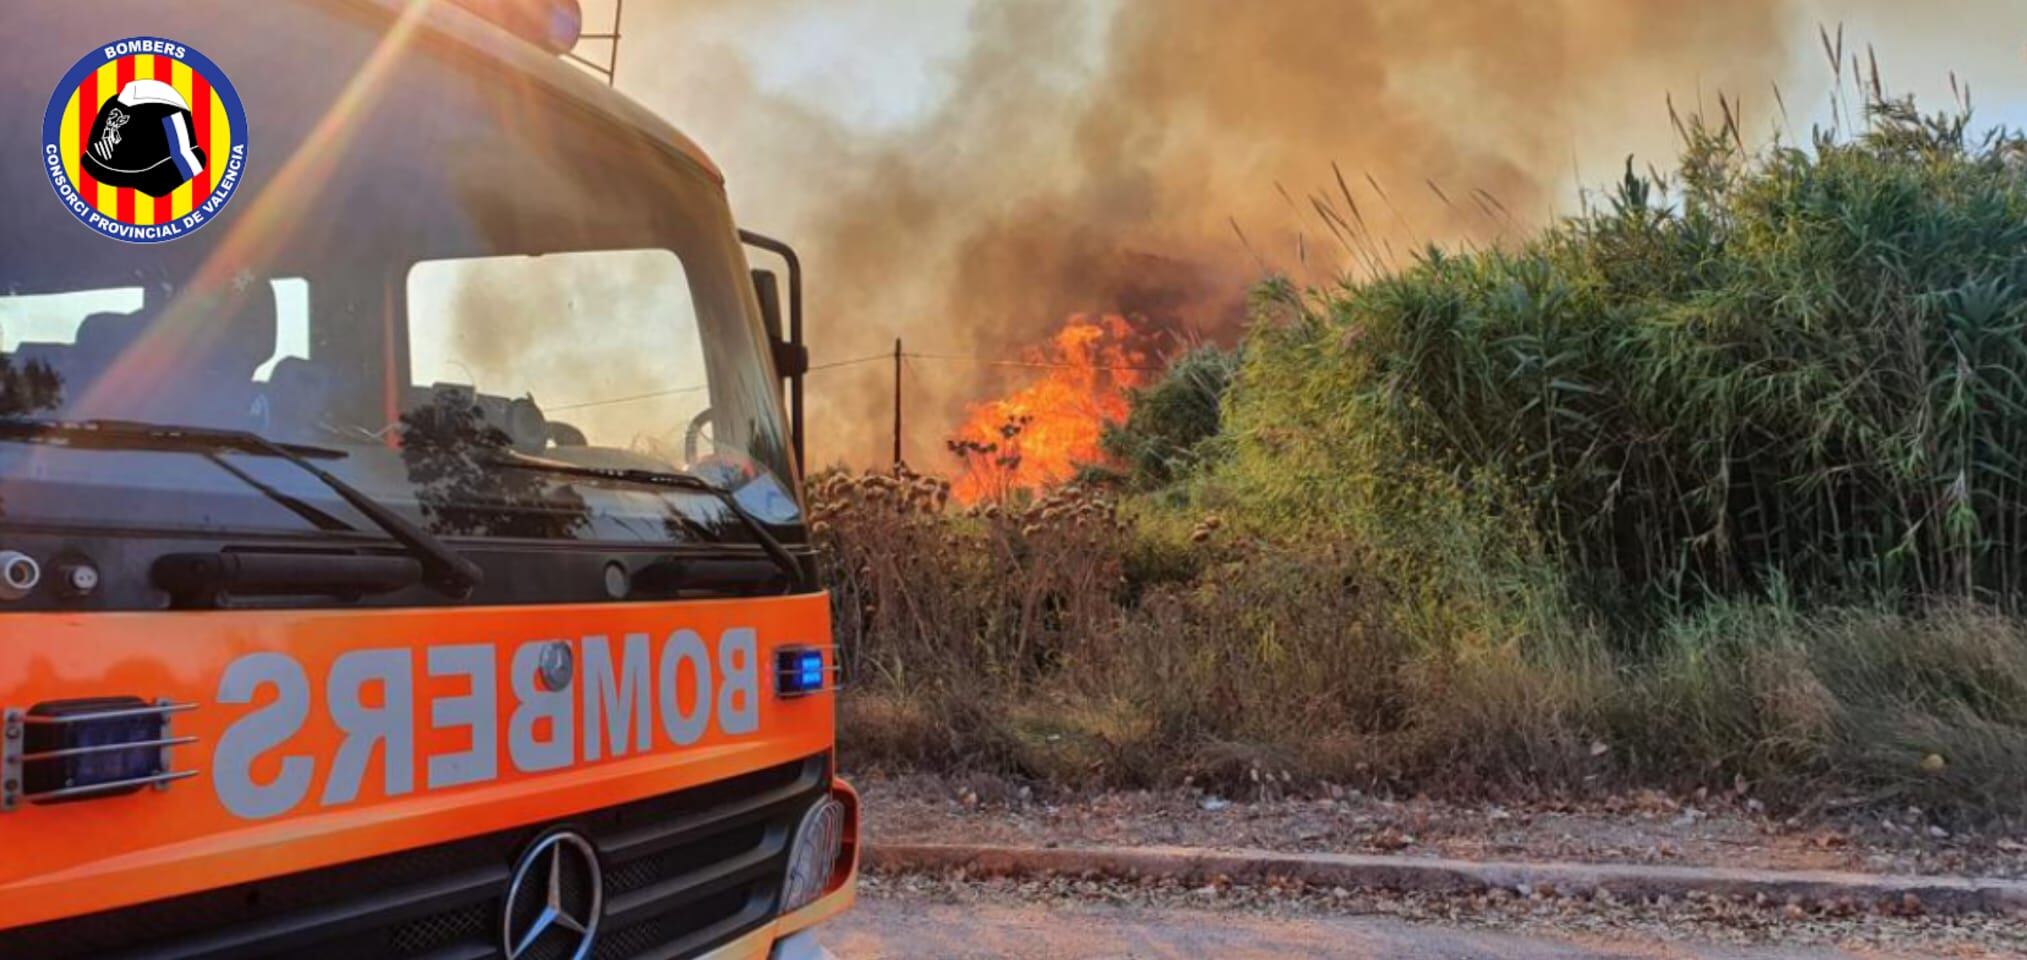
x: 855, y: 361
x: 1035, y: 364
x: 633, y: 398
x: 846, y: 363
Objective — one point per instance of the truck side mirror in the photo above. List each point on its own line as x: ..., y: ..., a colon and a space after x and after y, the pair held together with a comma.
x: 791, y: 360
x: 768, y: 291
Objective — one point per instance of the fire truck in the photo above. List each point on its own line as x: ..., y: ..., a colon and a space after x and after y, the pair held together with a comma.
x: 402, y: 546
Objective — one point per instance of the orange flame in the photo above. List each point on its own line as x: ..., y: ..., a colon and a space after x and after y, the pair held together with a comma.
x: 1039, y: 435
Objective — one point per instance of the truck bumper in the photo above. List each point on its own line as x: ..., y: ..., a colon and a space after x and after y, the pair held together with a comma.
x: 791, y: 937
x: 802, y: 946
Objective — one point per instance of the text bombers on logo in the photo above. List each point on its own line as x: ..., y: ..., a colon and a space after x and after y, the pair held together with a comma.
x: 145, y: 140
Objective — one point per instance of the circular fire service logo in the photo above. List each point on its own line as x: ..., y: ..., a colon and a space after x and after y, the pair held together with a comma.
x: 144, y: 140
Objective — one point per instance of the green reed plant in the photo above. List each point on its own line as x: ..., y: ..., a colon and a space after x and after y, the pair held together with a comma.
x: 1803, y: 362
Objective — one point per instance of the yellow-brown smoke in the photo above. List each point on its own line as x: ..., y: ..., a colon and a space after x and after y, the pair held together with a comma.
x: 1045, y: 182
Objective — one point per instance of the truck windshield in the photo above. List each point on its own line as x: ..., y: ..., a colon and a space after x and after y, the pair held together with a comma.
x: 469, y: 267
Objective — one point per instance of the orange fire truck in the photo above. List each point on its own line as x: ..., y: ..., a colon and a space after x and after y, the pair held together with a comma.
x: 402, y: 551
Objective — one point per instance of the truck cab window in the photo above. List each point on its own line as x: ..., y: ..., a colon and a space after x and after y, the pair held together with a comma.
x: 292, y: 325
x: 604, y: 345
x: 54, y: 317
x: 79, y: 339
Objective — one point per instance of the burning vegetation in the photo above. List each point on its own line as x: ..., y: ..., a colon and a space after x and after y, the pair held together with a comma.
x: 1041, y: 434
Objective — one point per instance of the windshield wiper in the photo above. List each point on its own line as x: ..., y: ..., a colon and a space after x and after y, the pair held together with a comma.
x: 784, y: 561
x: 444, y: 569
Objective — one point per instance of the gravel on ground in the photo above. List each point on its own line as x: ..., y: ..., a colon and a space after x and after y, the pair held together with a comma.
x: 1698, y: 923
x: 1647, y: 827
x: 1729, y: 830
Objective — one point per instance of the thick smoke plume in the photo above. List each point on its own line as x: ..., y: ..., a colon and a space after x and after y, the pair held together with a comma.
x: 1156, y: 158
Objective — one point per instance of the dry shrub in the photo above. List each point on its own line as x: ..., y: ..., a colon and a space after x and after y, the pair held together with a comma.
x: 1057, y: 639
x: 957, y: 610
x: 988, y: 594
x: 1863, y: 705
x: 1066, y: 641
x: 1247, y: 665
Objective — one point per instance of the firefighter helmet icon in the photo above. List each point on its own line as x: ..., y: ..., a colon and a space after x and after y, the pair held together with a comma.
x: 143, y: 139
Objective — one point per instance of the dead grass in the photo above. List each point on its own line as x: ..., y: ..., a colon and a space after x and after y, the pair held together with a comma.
x: 1063, y: 640
x: 1072, y: 641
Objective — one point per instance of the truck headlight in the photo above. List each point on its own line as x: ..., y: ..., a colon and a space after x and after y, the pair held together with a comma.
x: 814, y: 856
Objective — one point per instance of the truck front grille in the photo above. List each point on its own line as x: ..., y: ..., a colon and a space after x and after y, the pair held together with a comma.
x: 689, y: 871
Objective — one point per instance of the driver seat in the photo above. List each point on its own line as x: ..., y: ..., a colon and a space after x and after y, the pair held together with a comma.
x: 201, y: 374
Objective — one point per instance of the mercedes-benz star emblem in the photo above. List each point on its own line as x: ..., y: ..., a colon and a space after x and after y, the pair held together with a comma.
x: 556, y: 896
x: 557, y: 666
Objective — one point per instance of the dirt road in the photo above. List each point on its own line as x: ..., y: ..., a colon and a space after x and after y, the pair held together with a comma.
x: 901, y: 928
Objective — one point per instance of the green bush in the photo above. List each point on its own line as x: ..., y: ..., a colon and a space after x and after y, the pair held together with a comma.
x: 1167, y: 434
x: 1745, y: 460
x: 1807, y: 364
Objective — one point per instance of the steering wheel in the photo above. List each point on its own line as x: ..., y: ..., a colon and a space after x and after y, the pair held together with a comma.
x: 723, y: 465
x: 694, y: 433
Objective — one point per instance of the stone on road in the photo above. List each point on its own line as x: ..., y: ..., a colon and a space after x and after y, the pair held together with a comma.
x: 883, y: 928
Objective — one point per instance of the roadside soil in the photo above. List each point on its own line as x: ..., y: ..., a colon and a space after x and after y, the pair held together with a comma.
x: 1647, y: 827
x: 1641, y: 828
x: 938, y: 918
